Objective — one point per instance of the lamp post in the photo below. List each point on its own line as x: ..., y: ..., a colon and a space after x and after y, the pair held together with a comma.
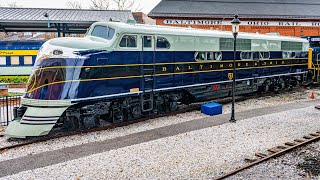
x: 235, y: 30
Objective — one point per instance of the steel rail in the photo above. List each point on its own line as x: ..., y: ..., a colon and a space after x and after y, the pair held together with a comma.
x: 275, y: 152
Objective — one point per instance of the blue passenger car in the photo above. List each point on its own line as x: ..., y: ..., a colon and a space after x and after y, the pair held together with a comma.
x: 18, y: 57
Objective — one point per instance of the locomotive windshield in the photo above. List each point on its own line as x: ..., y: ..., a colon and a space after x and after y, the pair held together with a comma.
x: 103, y: 32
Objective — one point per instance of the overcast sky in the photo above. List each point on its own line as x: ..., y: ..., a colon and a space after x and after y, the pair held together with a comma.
x: 147, y: 5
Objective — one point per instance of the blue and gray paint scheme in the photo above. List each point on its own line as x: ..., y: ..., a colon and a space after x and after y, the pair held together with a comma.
x: 114, y: 60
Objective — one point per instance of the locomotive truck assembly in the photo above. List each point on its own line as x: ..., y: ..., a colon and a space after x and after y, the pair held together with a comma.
x: 120, y: 72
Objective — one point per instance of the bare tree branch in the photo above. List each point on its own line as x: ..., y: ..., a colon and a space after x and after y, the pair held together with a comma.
x: 127, y: 5
x: 13, y: 4
x: 74, y: 5
x: 115, y: 4
x: 100, y: 4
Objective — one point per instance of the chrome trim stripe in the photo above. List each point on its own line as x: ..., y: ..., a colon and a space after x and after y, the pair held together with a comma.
x: 194, y: 85
x: 31, y: 119
x: 38, y: 124
x: 41, y: 116
x: 46, y: 106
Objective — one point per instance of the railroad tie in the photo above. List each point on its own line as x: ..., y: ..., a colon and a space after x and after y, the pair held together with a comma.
x: 261, y: 155
x: 250, y: 160
x: 273, y: 150
x: 299, y: 140
x: 290, y: 144
x: 282, y: 147
x: 315, y: 135
x: 307, y: 137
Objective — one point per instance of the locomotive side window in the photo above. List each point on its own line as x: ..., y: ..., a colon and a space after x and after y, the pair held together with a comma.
x: 218, y: 55
x: 147, y: 41
x: 128, y: 41
x: 162, y: 43
x: 207, y: 56
x: 288, y: 54
x: 246, y: 55
x: 210, y: 55
x: 103, y: 32
x: 200, y: 56
x: 254, y: 55
x: 265, y: 55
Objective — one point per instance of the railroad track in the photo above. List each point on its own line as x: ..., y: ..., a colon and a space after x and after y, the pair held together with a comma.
x: 192, y: 107
x: 275, y: 152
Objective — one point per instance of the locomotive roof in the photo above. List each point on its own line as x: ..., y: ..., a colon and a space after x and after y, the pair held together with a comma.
x: 156, y: 29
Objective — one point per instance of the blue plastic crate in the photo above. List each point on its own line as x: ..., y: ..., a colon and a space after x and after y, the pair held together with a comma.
x: 211, y: 109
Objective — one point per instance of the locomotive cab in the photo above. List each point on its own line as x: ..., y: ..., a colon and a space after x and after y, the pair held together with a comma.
x: 53, y: 82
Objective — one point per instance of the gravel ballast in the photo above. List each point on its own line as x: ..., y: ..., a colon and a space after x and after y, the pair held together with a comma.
x: 202, y: 153
x: 303, y: 163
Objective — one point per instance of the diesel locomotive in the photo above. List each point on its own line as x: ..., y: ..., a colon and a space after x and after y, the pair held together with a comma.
x: 119, y: 72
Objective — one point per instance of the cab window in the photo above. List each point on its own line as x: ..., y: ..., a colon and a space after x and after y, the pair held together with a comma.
x: 129, y: 41
x: 162, y: 43
x: 147, y: 41
x: 103, y: 32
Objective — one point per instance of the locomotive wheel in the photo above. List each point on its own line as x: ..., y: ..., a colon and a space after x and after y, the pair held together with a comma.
x: 72, y: 123
x: 266, y: 86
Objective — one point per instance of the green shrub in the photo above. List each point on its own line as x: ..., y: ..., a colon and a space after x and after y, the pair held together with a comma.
x: 14, y: 79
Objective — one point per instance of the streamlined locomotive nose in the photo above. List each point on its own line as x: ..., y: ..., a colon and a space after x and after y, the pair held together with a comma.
x: 39, y: 118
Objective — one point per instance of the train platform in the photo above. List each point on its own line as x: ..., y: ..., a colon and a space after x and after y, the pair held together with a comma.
x: 201, y: 148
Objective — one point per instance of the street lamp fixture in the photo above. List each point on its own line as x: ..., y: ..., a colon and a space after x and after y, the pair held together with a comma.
x: 235, y: 30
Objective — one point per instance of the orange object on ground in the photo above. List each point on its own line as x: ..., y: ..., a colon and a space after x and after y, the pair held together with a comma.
x: 312, y: 95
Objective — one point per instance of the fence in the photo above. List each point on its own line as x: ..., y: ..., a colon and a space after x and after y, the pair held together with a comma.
x: 7, y: 104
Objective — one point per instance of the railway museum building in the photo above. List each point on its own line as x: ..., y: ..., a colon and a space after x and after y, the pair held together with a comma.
x: 284, y: 17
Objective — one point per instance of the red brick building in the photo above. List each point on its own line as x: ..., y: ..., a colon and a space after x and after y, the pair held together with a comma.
x: 142, y: 18
x: 285, y: 17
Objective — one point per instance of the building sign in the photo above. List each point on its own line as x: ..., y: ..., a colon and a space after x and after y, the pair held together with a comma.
x: 315, y: 39
x: 208, y: 22
x: 18, y: 52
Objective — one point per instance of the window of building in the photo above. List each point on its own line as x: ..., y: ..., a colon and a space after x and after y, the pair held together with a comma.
x: 288, y: 54
x: 15, y: 60
x: 162, y: 43
x: 128, y: 41
x: 103, y: 32
x: 147, y: 41
x: 27, y: 60
x: 3, y: 60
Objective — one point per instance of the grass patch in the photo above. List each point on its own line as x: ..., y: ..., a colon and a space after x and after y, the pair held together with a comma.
x: 13, y: 94
x: 14, y: 79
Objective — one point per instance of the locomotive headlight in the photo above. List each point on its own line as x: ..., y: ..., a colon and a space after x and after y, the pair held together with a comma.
x: 57, y: 52
x: 48, y: 51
